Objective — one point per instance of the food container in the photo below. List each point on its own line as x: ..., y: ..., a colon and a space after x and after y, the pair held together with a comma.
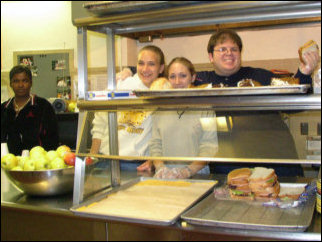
x: 44, y: 182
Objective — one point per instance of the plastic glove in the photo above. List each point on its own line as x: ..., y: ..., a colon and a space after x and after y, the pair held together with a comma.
x: 162, y: 173
x: 180, y: 173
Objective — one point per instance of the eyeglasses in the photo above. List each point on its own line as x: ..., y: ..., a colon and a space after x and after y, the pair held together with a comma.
x: 224, y: 50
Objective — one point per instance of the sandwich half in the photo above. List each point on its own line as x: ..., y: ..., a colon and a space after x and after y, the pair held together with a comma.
x: 263, y: 183
x: 238, y: 184
x: 309, y: 46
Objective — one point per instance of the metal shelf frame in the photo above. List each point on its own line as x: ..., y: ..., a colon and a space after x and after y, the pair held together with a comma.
x: 201, y: 14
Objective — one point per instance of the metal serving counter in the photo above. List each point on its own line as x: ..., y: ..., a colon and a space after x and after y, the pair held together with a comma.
x: 51, y: 218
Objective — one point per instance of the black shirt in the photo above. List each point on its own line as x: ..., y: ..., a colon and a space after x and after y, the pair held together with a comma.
x: 35, y: 125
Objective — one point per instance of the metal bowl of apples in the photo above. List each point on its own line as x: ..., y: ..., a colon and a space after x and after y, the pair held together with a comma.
x: 46, y: 182
x: 43, y: 182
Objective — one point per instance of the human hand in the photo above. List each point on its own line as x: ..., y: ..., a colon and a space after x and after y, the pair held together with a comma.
x: 180, y: 173
x: 163, y: 173
x: 122, y: 75
x: 311, y: 60
x: 146, y: 166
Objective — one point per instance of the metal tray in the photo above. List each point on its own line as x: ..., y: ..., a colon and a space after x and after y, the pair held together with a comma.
x: 146, y: 205
x: 226, y: 91
x: 250, y: 215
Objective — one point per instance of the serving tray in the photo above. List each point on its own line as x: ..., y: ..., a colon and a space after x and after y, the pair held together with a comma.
x: 250, y: 215
x: 147, y: 200
x: 226, y: 91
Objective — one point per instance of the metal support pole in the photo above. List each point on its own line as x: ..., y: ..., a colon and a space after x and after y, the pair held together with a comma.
x: 112, y: 116
x: 82, y: 62
x: 79, y: 179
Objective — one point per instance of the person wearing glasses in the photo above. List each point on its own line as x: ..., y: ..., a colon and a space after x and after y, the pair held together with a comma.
x: 224, y: 51
x: 254, y: 134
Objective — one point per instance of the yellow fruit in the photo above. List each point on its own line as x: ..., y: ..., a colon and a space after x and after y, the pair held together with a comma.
x: 17, y: 168
x: 37, y: 151
x: 9, y: 161
x: 61, y: 150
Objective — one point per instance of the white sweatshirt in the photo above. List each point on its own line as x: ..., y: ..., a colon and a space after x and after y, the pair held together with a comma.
x: 134, y: 127
x: 187, y: 134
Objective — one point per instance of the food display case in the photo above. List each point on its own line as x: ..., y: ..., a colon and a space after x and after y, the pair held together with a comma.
x: 245, y: 112
x: 250, y: 115
x: 254, y: 127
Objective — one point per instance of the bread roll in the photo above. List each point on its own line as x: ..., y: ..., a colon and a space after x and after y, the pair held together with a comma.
x: 161, y: 83
x: 285, y: 81
x: 248, y: 83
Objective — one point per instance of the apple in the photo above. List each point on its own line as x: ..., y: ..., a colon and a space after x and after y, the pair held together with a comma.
x: 9, y: 161
x: 41, y: 163
x: 69, y: 158
x: 61, y: 150
x: 17, y: 168
x: 29, y: 165
x: 37, y: 151
x: 88, y: 160
x: 71, y: 107
x: 57, y: 163
x: 18, y: 157
x: 22, y: 161
x: 52, y: 154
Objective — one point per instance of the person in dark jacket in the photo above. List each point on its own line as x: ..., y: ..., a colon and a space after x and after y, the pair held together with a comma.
x: 27, y: 120
x: 254, y: 134
x: 224, y: 51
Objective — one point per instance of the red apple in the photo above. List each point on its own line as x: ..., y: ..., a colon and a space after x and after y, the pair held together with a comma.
x: 88, y: 160
x: 69, y: 158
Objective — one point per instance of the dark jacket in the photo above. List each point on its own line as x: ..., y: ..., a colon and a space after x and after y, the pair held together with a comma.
x: 35, y: 125
x: 257, y: 74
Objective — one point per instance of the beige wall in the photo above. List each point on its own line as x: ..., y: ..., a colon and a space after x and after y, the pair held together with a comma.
x: 28, y: 25
x: 257, y: 44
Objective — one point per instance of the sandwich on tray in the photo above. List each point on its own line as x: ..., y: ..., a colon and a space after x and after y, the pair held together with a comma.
x: 263, y: 183
x: 291, y: 192
x: 238, y: 184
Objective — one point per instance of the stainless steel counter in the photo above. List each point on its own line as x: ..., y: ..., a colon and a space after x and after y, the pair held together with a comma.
x: 57, y: 206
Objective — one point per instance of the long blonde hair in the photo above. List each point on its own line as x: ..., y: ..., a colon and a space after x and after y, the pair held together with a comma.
x: 184, y: 61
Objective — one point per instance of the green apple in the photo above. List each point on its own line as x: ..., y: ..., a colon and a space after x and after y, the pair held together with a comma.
x: 37, y: 151
x: 41, y: 163
x: 18, y: 159
x: 51, y: 155
x: 71, y: 107
x: 9, y: 161
x: 17, y: 168
x: 61, y: 150
x: 22, y: 161
x: 57, y: 163
x: 29, y: 165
